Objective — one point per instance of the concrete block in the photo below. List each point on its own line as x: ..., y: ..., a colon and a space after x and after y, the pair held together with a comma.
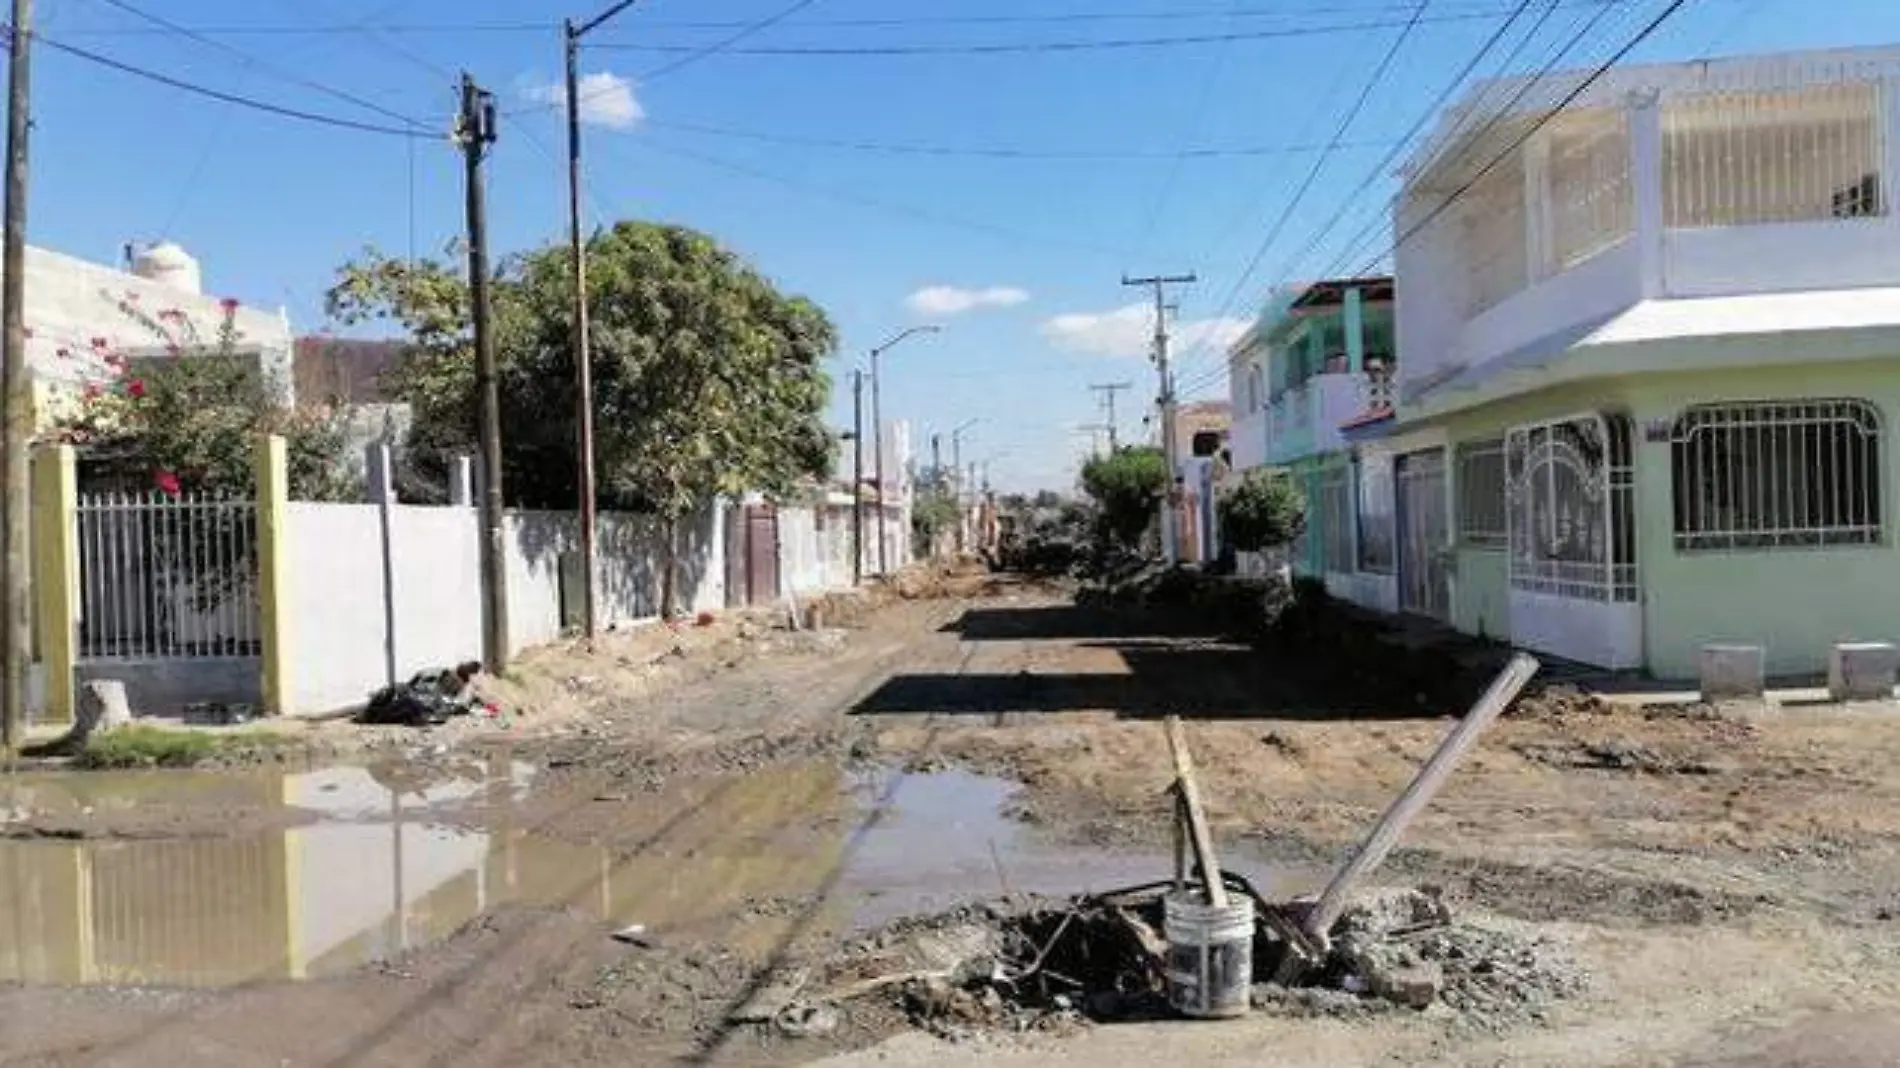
x: 1862, y: 671
x: 1730, y: 672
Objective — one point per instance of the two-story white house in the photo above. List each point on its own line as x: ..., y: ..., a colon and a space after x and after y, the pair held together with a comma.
x: 1654, y: 339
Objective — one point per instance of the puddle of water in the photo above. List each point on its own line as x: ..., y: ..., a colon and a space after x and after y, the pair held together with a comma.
x: 944, y: 838
x: 372, y: 877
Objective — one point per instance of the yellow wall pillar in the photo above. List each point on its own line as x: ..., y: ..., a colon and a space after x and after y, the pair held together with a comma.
x: 273, y: 573
x: 55, y: 545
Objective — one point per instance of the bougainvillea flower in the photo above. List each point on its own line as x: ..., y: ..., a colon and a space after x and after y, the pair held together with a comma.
x: 166, y: 482
x: 136, y: 387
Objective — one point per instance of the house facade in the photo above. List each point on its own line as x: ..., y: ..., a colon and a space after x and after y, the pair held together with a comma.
x: 1316, y: 362
x: 1649, y: 374
x: 78, y: 312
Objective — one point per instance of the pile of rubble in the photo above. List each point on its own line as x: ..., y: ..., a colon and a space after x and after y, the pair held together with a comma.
x: 1043, y: 965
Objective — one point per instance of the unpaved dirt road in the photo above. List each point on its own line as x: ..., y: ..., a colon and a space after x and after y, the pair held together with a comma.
x: 1729, y: 887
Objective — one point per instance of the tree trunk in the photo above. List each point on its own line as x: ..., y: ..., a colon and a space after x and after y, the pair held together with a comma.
x: 101, y: 707
x: 669, y: 570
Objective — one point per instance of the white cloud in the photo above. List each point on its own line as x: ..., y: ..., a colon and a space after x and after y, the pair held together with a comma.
x: 951, y: 300
x: 1129, y: 331
x: 606, y: 99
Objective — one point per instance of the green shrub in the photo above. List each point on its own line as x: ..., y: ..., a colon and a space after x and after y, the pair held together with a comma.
x: 1266, y: 511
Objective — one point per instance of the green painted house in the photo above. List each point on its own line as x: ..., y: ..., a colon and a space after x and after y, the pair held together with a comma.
x: 1648, y: 371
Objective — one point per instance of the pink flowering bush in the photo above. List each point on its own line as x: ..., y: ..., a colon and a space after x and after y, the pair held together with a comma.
x: 193, y: 415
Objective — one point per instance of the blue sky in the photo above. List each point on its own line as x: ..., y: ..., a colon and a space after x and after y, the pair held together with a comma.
x: 1019, y: 258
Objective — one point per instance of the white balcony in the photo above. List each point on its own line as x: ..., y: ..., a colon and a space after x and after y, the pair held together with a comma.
x: 1734, y: 178
x: 1306, y: 419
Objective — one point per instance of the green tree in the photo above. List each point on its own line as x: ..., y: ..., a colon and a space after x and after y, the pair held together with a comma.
x: 1265, y: 511
x: 1127, y: 486
x: 934, y: 512
x: 707, y: 379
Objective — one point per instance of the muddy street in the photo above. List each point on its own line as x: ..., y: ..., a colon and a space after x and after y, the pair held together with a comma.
x: 629, y: 878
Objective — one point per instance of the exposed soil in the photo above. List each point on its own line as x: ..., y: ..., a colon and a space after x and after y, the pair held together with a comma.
x: 1718, y: 883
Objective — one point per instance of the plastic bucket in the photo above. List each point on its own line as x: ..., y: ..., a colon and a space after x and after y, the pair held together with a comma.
x: 1210, y: 956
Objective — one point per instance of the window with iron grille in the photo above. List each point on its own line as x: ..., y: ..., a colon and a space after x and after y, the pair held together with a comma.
x: 1777, y: 474
x: 1783, y: 155
x: 1336, y: 522
x: 1481, y: 512
x: 1377, y: 514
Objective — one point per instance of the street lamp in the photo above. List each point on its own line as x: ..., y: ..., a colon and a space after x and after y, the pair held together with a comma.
x: 877, y: 432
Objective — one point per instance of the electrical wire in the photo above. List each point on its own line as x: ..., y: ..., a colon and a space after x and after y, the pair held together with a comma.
x: 1569, y: 98
x: 1035, y: 47
x: 929, y: 215
x: 1426, y: 115
x: 1209, y: 78
x: 913, y: 148
x: 1458, y: 131
x: 232, y: 98
x: 1313, y: 172
x: 431, y: 29
x: 724, y: 44
x: 1369, y: 232
x: 174, y: 29
x: 1596, y: 75
x: 1214, y: 365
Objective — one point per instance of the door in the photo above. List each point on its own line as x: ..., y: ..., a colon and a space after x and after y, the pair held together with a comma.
x: 1424, y: 585
x: 761, y: 540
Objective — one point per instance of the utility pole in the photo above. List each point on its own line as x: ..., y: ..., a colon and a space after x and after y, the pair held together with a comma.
x: 1165, y: 401
x: 1108, y: 391
x: 857, y: 478
x: 877, y: 428
x: 17, y: 389
x: 936, y: 457
x: 583, y: 352
x: 476, y: 131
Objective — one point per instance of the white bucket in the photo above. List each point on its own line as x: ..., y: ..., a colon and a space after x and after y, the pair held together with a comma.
x: 1210, y: 955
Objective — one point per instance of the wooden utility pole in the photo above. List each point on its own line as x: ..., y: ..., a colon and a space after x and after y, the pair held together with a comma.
x: 583, y: 353
x: 1108, y: 391
x: 1160, y: 283
x: 857, y: 478
x: 476, y: 131
x: 16, y: 385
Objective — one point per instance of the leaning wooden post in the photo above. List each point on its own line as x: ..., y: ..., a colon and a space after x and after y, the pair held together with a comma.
x: 1196, y: 818
x: 56, y: 575
x: 273, y: 574
x: 1391, y: 826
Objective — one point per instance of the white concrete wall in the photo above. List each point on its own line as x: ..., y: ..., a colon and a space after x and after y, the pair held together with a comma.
x: 335, y: 605
x: 344, y: 618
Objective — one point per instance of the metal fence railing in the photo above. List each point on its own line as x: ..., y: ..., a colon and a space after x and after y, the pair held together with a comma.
x: 167, y: 577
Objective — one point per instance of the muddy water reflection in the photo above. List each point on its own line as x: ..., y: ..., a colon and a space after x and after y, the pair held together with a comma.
x: 377, y: 873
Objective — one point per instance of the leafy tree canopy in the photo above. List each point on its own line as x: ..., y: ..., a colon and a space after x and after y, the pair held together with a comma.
x: 1127, y: 486
x: 707, y: 379
x: 1265, y: 511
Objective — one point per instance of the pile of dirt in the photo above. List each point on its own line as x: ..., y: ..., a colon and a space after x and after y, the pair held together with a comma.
x: 1046, y: 965
x: 1560, y: 702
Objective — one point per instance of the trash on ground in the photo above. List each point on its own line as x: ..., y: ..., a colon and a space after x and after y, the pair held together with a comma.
x: 428, y: 699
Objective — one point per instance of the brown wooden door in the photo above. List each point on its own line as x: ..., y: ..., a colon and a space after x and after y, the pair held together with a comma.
x: 761, y: 535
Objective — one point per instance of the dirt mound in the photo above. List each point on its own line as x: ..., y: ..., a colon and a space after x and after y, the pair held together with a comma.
x: 1042, y: 965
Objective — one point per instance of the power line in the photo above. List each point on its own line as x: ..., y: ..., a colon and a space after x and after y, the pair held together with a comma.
x: 694, y: 55
x: 929, y: 215
x: 233, y: 98
x: 912, y: 148
x: 1425, y: 116
x: 1313, y: 173
x: 1458, y: 130
x: 1201, y: 352
x: 1017, y: 47
x: 174, y: 29
x: 431, y: 29
x: 1596, y: 75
